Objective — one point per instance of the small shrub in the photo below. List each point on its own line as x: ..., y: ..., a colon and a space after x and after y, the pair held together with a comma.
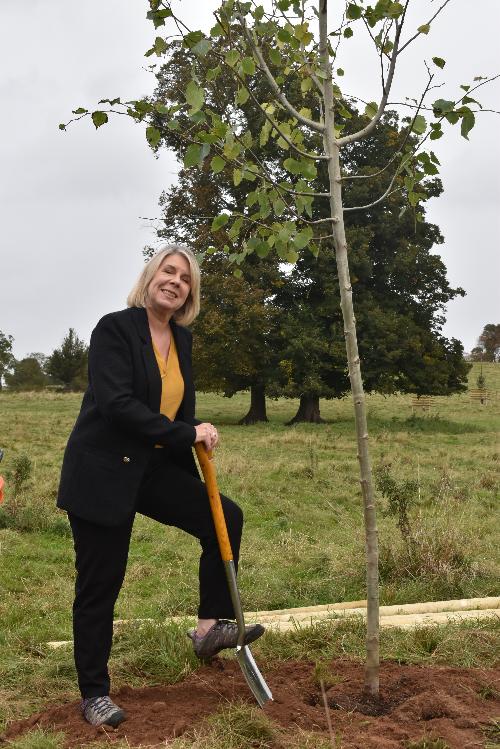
x: 400, y: 498
x: 21, y: 473
x: 29, y: 512
x: 481, y: 381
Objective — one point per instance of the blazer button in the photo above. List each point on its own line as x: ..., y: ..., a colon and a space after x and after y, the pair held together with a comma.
x: 126, y: 460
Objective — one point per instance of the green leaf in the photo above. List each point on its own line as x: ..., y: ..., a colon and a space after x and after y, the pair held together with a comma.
x: 279, y: 207
x: 293, y: 166
x: 439, y: 62
x: 302, y: 238
x: 193, y: 155
x: 394, y: 10
x: 420, y: 125
x: 413, y: 198
x: 305, y: 84
x: 275, y: 56
x: 80, y: 110
x: 216, y: 30
x: 308, y: 169
x: 153, y: 136
x: 161, y: 108
x: 220, y: 221
x: 262, y: 249
x: 99, y: 118
x: 237, y: 272
x: 232, y: 57
x: 442, y: 106
x: 425, y: 28
x: 468, y: 122
x: 203, y: 47
x: 62, y: 126
x: 160, y: 46
x: 195, y: 96
x: 248, y: 65
x: 242, y: 95
x: 213, y: 73
x: 348, y: 32
x: 173, y: 124
x: 436, y: 131
x: 340, y: 71
x: 371, y: 109
x: 217, y: 164
x: 158, y: 16
x: 237, y: 177
x: 353, y: 12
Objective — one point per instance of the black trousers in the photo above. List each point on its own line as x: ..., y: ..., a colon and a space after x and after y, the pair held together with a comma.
x: 174, y: 497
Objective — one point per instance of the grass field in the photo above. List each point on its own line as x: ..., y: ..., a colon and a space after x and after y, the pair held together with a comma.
x: 303, y: 542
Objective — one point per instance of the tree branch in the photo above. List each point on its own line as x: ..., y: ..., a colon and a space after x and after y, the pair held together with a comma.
x: 272, y: 82
x: 385, y: 95
x: 427, y: 24
x: 405, y: 139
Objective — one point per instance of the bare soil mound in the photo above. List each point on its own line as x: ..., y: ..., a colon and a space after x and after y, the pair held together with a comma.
x: 454, y: 704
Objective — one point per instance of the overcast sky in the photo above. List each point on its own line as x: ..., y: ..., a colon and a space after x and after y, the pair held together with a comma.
x: 72, y: 204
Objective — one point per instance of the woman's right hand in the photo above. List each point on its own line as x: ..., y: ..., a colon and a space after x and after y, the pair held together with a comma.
x: 207, y: 434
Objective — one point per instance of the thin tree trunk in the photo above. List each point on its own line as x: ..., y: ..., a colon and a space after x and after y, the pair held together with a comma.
x: 307, y: 411
x: 257, y: 410
x: 371, y: 533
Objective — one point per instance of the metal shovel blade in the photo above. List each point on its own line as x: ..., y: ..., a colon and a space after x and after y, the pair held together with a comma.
x: 251, y: 672
x: 254, y: 678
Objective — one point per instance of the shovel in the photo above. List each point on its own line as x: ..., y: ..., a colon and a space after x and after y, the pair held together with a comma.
x: 254, y: 678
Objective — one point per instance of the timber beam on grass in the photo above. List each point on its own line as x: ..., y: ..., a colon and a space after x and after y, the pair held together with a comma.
x: 403, y: 616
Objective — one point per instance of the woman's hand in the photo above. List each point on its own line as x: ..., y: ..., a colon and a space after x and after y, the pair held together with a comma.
x: 207, y: 434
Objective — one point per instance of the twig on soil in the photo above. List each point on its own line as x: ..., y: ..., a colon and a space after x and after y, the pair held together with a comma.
x: 327, y: 712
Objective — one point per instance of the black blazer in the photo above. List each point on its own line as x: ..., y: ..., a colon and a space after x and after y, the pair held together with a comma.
x: 119, y: 422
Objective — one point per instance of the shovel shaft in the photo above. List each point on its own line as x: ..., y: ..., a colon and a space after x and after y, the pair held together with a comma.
x: 208, y: 470
x: 250, y: 670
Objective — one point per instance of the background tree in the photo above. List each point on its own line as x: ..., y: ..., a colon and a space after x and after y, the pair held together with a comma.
x: 401, y: 292
x: 488, y: 344
x: 67, y: 365
x: 6, y: 357
x: 26, y: 375
x: 235, y: 346
x: 265, y: 45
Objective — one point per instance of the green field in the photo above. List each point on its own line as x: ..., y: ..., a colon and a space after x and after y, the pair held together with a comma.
x: 303, y: 542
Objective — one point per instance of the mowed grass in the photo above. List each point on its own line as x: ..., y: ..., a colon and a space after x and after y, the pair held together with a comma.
x: 303, y: 541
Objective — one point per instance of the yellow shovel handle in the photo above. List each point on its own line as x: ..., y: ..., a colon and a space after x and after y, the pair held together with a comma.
x: 208, y: 471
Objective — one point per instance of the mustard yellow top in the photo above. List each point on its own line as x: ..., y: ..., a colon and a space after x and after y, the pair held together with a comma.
x: 172, y: 383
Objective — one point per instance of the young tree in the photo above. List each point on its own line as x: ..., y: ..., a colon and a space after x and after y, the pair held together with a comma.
x: 6, y: 357
x: 68, y: 364
x: 265, y: 45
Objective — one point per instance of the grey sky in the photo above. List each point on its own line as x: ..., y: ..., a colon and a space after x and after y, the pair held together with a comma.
x: 71, y: 202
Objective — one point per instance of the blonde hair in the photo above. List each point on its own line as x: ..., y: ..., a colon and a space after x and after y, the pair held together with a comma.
x: 138, y: 296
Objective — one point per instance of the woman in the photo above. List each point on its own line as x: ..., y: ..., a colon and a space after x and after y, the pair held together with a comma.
x: 130, y: 451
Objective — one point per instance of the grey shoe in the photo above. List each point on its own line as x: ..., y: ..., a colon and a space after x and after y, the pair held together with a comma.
x: 100, y: 711
x: 223, y: 634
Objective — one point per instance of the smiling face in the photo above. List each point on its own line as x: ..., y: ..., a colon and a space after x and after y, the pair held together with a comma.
x: 170, y: 286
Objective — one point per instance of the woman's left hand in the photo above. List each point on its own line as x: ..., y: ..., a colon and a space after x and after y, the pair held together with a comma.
x: 207, y: 434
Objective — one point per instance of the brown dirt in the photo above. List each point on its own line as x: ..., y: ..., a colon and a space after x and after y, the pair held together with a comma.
x: 451, y: 703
